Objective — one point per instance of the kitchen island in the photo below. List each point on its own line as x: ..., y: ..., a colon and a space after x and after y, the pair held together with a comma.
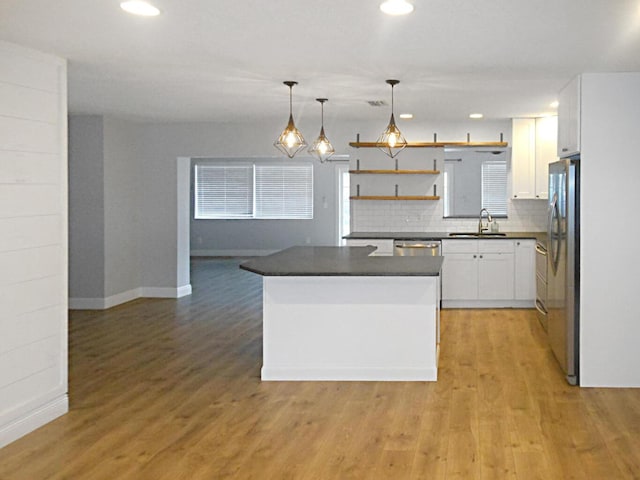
x: 336, y: 313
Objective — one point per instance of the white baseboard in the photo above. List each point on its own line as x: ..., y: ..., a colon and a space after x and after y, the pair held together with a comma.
x: 488, y: 304
x: 165, y: 292
x: 120, y: 298
x: 33, y: 420
x: 231, y: 253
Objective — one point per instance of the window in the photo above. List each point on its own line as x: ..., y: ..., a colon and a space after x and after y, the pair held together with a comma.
x: 494, y: 186
x: 262, y: 190
x: 223, y: 191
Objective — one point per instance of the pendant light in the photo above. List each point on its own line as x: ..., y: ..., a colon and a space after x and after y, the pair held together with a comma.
x: 322, y: 148
x: 391, y: 141
x: 290, y: 140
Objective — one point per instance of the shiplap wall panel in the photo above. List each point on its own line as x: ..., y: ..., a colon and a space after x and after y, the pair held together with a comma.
x: 30, y: 264
x: 29, y: 168
x: 42, y: 355
x: 23, y: 297
x: 29, y: 327
x: 28, y: 70
x: 29, y: 104
x: 27, y: 200
x: 27, y: 232
x: 42, y: 384
x: 17, y: 134
x: 33, y: 243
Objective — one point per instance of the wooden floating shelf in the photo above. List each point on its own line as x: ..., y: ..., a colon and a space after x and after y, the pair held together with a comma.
x: 396, y: 172
x: 431, y: 144
x: 392, y: 197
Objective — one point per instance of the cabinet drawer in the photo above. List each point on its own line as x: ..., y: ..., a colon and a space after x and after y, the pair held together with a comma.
x: 496, y: 246
x: 459, y: 246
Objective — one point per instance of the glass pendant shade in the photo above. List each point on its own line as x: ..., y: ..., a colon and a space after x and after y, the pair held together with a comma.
x: 322, y: 148
x: 290, y: 140
x: 391, y: 141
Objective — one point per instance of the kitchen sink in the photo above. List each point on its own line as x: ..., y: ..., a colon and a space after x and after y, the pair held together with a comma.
x: 476, y: 234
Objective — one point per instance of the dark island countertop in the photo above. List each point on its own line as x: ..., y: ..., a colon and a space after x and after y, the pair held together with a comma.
x: 539, y: 236
x: 341, y: 261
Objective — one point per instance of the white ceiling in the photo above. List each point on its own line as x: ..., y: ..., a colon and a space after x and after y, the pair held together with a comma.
x: 211, y: 60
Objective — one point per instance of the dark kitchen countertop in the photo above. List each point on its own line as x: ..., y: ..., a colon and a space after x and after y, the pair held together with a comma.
x: 342, y: 262
x: 539, y: 236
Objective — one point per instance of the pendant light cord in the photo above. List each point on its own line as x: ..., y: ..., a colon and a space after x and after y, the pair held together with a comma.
x: 392, y: 99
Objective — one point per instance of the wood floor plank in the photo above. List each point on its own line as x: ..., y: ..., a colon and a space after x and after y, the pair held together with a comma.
x: 164, y: 389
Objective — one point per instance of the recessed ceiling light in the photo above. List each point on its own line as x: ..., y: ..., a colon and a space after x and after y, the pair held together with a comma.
x: 396, y: 7
x: 406, y: 116
x: 137, y: 7
x: 554, y: 104
x: 476, y: 115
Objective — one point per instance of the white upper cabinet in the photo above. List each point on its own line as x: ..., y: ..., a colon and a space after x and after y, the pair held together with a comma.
x: 546, y: 152
x: 523, y: 158
x: 569, y: 119
x: 533, y: 148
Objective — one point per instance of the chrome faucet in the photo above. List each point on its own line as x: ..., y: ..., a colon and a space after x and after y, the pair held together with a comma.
x: 481, y: 227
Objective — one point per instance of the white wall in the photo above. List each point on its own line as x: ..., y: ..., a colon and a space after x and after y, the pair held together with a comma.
x: 610, y: 198
x: 33, y: 243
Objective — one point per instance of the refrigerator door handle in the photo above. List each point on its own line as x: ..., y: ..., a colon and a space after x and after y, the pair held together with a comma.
x: 541, y: 308
x: 554, y: 239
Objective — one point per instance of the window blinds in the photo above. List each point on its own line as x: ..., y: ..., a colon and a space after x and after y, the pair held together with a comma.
x: 258, y: 190
x: 223, y: 191
x: 494, y: 186
x: 284, y: 191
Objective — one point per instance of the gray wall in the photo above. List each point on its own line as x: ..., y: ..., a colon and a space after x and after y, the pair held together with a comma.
x: 104, y: 231
x: 144, y: 191
x: 86, y: 207
x: 121, y: 199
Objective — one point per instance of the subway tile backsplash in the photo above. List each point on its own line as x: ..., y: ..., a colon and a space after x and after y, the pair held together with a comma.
x: 409, y: 216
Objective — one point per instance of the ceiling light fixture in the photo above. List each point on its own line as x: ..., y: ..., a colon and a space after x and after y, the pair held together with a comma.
x: 140, y: 8
x: 476, y: 115
x: 406, y: 116
x: 396, y: 7
x: 391, y: 141
x: 290, y: 140
x: 554, y: 104
x: 322, y: 148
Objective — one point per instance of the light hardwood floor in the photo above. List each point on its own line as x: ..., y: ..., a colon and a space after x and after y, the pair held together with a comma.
x: 170, y: 389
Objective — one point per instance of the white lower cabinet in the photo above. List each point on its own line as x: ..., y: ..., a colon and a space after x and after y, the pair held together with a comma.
x: 482, y: 273
x: 495, y: 276
x: 384, y: 247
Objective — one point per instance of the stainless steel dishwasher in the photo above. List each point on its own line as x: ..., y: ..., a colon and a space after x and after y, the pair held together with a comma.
x: 415, y: 248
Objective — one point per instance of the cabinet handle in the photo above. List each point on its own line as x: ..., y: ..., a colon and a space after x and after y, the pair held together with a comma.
x: 480, y: 256
x: 515, y: 196
x: 518, y: 243
x: 474, y: 256
x: 565, y: 149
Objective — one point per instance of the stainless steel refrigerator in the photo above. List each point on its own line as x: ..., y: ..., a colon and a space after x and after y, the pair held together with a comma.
x: 563, y: 257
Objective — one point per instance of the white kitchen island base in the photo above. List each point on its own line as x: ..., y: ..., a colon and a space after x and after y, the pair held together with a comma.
x: 350, y: 328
